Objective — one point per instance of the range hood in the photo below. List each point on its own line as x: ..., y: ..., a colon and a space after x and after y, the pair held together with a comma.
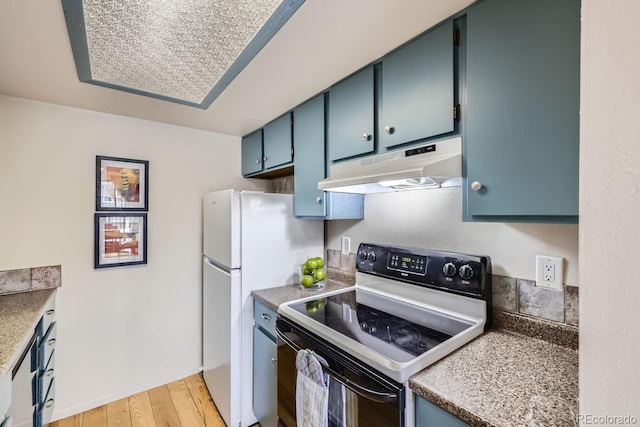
x: 431, y: 165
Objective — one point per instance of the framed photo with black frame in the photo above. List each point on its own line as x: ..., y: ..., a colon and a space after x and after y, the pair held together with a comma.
x: 122, y: 184
x: 120, y: 239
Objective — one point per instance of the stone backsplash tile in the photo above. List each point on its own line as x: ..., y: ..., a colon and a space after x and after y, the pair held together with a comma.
x: 540, y: 302
x: 333, y: 258
x: 571, y: 305
x: 348, y: 262
x: 505, y: 296
x: 46, y: 277
x: 339, y: 261
x: 12, y: 281
x: 30, y: 279
x: 282, y: 185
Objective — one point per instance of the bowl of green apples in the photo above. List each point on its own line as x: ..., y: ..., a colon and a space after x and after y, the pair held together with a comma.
x: 312, y: 274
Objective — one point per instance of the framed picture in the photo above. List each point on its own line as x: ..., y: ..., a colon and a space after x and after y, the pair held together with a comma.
x: 121, y: 184
x: 120, y: 239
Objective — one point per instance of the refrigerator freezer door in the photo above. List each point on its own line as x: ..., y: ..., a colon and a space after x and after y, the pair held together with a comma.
x: 221, y: 227
x: 221, y: 340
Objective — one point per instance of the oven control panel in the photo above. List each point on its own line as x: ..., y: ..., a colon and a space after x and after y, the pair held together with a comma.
x: 455, y: 272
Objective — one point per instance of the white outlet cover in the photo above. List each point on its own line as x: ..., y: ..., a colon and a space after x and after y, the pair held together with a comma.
x: 557, y: 268
x: 346, y: 244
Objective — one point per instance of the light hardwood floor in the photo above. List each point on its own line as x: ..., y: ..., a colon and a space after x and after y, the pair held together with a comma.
x: 183, y: 403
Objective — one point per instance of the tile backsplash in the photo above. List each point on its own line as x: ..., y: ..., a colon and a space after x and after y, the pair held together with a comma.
x: 518, y: 296
x: 30, y: 279
x: 522, y: 296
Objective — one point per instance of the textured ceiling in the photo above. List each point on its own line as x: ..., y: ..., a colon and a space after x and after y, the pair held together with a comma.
x: 323, y: 42
x: 178, y: 49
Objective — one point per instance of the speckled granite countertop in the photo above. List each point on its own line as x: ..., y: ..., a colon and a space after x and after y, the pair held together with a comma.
x: 273, y: 297
x: 505, y: 379
x: 19, y: 315
x: 500, y: 379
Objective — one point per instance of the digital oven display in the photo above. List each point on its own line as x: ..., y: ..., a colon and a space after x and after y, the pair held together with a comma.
x: 414, y: 264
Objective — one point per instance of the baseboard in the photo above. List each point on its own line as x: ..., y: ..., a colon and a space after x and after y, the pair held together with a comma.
x: 59, y: 414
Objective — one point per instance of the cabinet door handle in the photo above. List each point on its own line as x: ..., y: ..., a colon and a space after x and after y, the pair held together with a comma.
x: 51, y: 342
x: 49, y: 403
x: 258, y: 162
x: 50, y: 312
x: 389, y: 129
x: 49, y: 372
x: 366, y: 136
x: 318, y: 199
x: 265, y: 158
x: 274, y: 360
x: 476, y: 185
x: 266, y: 317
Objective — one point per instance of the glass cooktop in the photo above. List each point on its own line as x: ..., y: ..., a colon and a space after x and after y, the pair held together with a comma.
x: 395, y: 329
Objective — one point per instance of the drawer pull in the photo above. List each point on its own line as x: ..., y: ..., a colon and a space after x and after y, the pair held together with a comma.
x: 50, y: 312
x: 49, y: 372
x: 274, y: 360
x: 266, y: 317
x: 51, y: 341
x: 49, y: 404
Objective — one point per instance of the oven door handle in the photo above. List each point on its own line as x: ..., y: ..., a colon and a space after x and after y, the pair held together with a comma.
x: 367, y: 393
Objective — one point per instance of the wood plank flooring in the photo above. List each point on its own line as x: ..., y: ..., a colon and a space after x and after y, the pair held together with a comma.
x: 183, y: 403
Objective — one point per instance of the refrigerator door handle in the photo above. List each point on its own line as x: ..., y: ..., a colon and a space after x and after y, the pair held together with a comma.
x: 217, y: 265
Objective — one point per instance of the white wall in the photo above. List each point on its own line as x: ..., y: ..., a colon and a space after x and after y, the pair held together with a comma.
x: 120, y: 330
x: 433, y: 219
x: 609, y: 208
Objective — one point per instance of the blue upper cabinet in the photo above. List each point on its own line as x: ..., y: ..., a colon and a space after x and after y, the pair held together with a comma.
x: 521, y: 136
x: 268, y: 149
x: 416, y: 97
x: 278, y: 142
x: 252, y: 153
x: 350, y: 121
x: 309, y: 167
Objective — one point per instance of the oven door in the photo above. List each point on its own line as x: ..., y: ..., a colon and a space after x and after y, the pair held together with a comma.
x: 370, y: 398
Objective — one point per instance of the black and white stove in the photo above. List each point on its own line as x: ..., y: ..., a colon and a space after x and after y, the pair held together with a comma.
x: 409, y: 308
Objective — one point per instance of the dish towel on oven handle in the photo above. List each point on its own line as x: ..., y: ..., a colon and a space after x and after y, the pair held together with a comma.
x: 312, y: 391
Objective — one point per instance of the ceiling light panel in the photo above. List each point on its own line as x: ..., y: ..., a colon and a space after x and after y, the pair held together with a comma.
x: 185, y: 51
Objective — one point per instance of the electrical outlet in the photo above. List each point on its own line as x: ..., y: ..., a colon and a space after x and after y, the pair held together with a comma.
x: 346, y: 244
x: 549, y: 272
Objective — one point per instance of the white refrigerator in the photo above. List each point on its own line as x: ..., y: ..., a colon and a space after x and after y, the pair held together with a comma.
x: 251, y: 241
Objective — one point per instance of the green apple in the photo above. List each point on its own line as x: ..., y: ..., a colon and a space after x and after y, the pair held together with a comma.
x: 307, y: 281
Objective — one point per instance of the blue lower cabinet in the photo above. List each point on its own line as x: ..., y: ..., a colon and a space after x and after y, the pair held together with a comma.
x: 430, y: 415
x: 45, y: 408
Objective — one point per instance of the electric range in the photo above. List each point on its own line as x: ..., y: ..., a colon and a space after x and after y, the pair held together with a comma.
x: 409, y: 307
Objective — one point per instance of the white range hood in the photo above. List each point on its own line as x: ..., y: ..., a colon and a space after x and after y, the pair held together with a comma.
x: 431, y: 165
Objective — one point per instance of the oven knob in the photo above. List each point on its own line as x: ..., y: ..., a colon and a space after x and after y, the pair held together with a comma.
x: 372, y: 256
x: 466, y: 272
x: 363, y: 256
x: 449, y: 269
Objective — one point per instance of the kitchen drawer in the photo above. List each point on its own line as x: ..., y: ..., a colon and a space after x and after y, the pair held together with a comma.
x: 5, y: 395
x: 47, y: 318
x: 45, y: 410
x: 265, y: 318
x: 47, y: 345
x: 45, y: 377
